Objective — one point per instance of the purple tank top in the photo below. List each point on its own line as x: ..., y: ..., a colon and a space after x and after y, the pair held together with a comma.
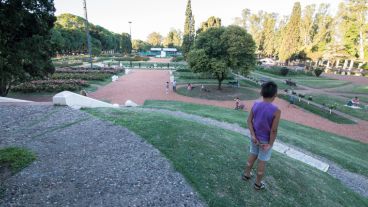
x: 263, y: 114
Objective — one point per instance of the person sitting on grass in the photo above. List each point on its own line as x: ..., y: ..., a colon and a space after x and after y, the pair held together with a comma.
x: 263, y: 121
x: 355, y: 101
x: 237, y: 104
x: 189, y: 88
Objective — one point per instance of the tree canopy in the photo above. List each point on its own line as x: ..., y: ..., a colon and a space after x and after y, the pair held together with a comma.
x: 25, y: 48
x: 219, y: 51
x: 68, y: 36
x: 312, y: 33
x: 155, y: 39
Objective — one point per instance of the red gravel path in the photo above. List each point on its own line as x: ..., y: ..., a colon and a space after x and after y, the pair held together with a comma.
x: 141, y: 85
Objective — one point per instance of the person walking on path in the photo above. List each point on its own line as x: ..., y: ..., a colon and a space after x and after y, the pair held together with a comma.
x: 167, y: 87
x: 263, y: 121
x: 174, y: 85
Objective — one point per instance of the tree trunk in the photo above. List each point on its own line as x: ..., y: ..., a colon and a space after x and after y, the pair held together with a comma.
x: 361, y: 45
x: 337, y: 63
x: 351, y: 64
x: 345, y: 64
x: 219, y: 84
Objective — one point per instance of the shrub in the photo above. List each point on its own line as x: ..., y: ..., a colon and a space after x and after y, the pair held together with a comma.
x: 50, y: 86
x: 318, y: 71
x: 82, y: 76
x: 178, y: 59
x: 284, y: 71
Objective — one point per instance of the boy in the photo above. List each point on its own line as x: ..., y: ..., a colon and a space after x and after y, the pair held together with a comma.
x: 263, y: 121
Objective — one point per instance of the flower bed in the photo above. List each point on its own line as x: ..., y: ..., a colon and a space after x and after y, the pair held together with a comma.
x: 82, y: 76
x: 112, y: 71
x: 50, y: 86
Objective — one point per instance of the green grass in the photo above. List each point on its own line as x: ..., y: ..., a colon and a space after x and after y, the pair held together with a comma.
x: 322, y: 83
x: 280, y: 83
x: 212, y: 161
x: 320, y: 112
x: 16, y: 158
x: 341, y: 102
x: 227, y: 93
x: 357, y: 89
x: 348, y: 153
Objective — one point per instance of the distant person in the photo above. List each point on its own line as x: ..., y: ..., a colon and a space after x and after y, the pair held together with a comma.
x: 189, y: 88
x: 167, y: 87
x: 174, y: 85
x: 238, y: 105
x: 291, y: 98
x: 83, y: 93
x: 263, y: 122
x: 355, y: 101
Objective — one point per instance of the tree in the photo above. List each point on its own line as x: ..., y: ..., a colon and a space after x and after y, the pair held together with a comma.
x: 211, y: 22
x: 291, y: 43
x: 189, y: 29
x: 155, y: 39
x: 25, y: 41
x: 269, y: 34
x: 140, y: 45
x: 221, y: 50
x: 173, y: 39
x: 125, y: 43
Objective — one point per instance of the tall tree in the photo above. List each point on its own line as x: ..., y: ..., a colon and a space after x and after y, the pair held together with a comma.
x: 155, y: 39
x: 355, y: 18
x: 244, y: 19
x: 221, y: 50
x: 255, y: 29
x: 189, y: 29
x: 269, y: 34
x: 125, y: 43
x: 291, y: 40
x: 173, y: 39
x: 25, y: 46
x: 211, y: 22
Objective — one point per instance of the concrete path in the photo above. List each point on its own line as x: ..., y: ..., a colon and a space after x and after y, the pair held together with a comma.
x: 141, y: 85
x: 83, y: 161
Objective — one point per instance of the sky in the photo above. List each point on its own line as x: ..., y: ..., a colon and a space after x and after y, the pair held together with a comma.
x: 161, y: 16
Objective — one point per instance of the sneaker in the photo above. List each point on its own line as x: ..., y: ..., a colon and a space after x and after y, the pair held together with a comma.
x: 259, y: 187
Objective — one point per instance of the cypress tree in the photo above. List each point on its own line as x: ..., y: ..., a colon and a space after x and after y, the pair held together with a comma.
x: 188, y: 29
x: 291, y: 41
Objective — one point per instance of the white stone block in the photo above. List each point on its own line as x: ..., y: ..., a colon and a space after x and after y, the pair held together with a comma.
x: 12, y: 100
x: 67, y: 98
x: 130, y: 103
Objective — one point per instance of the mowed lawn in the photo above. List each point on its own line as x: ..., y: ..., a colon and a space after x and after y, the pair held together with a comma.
x: 348, y: 153
x: 212, y: 161
x: 341, y: 102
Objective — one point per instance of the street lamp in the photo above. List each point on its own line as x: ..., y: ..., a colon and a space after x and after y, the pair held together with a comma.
x: 130, y: 34
x: 87, y: 33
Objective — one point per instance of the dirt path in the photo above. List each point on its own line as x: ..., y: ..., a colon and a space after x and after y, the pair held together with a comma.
x: 141, y: 85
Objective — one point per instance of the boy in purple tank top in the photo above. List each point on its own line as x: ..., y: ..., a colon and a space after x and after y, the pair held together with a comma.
x: 263, y: 121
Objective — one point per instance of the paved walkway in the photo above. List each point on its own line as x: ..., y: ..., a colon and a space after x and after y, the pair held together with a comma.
x: 141, y: 85
x: 84, y: 161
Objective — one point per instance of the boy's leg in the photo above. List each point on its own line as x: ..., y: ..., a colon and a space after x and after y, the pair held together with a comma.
x: 251, y: 159
x: 260, y: 171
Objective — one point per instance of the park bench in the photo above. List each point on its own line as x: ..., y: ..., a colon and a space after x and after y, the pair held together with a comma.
x: 233, y: 84
x: 290, y: 83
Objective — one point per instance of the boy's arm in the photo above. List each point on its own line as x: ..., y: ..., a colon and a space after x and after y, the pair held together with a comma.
x: 275, y: 124
x: 250, y: 126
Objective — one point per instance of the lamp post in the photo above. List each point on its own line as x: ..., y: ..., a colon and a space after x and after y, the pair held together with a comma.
x: 87, y: 33
x: 130, y: 34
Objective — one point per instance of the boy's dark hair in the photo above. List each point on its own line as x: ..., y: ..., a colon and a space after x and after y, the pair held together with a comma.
x: 269, y: 89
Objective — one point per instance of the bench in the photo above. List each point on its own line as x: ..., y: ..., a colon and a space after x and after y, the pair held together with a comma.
x: 290, y: 83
